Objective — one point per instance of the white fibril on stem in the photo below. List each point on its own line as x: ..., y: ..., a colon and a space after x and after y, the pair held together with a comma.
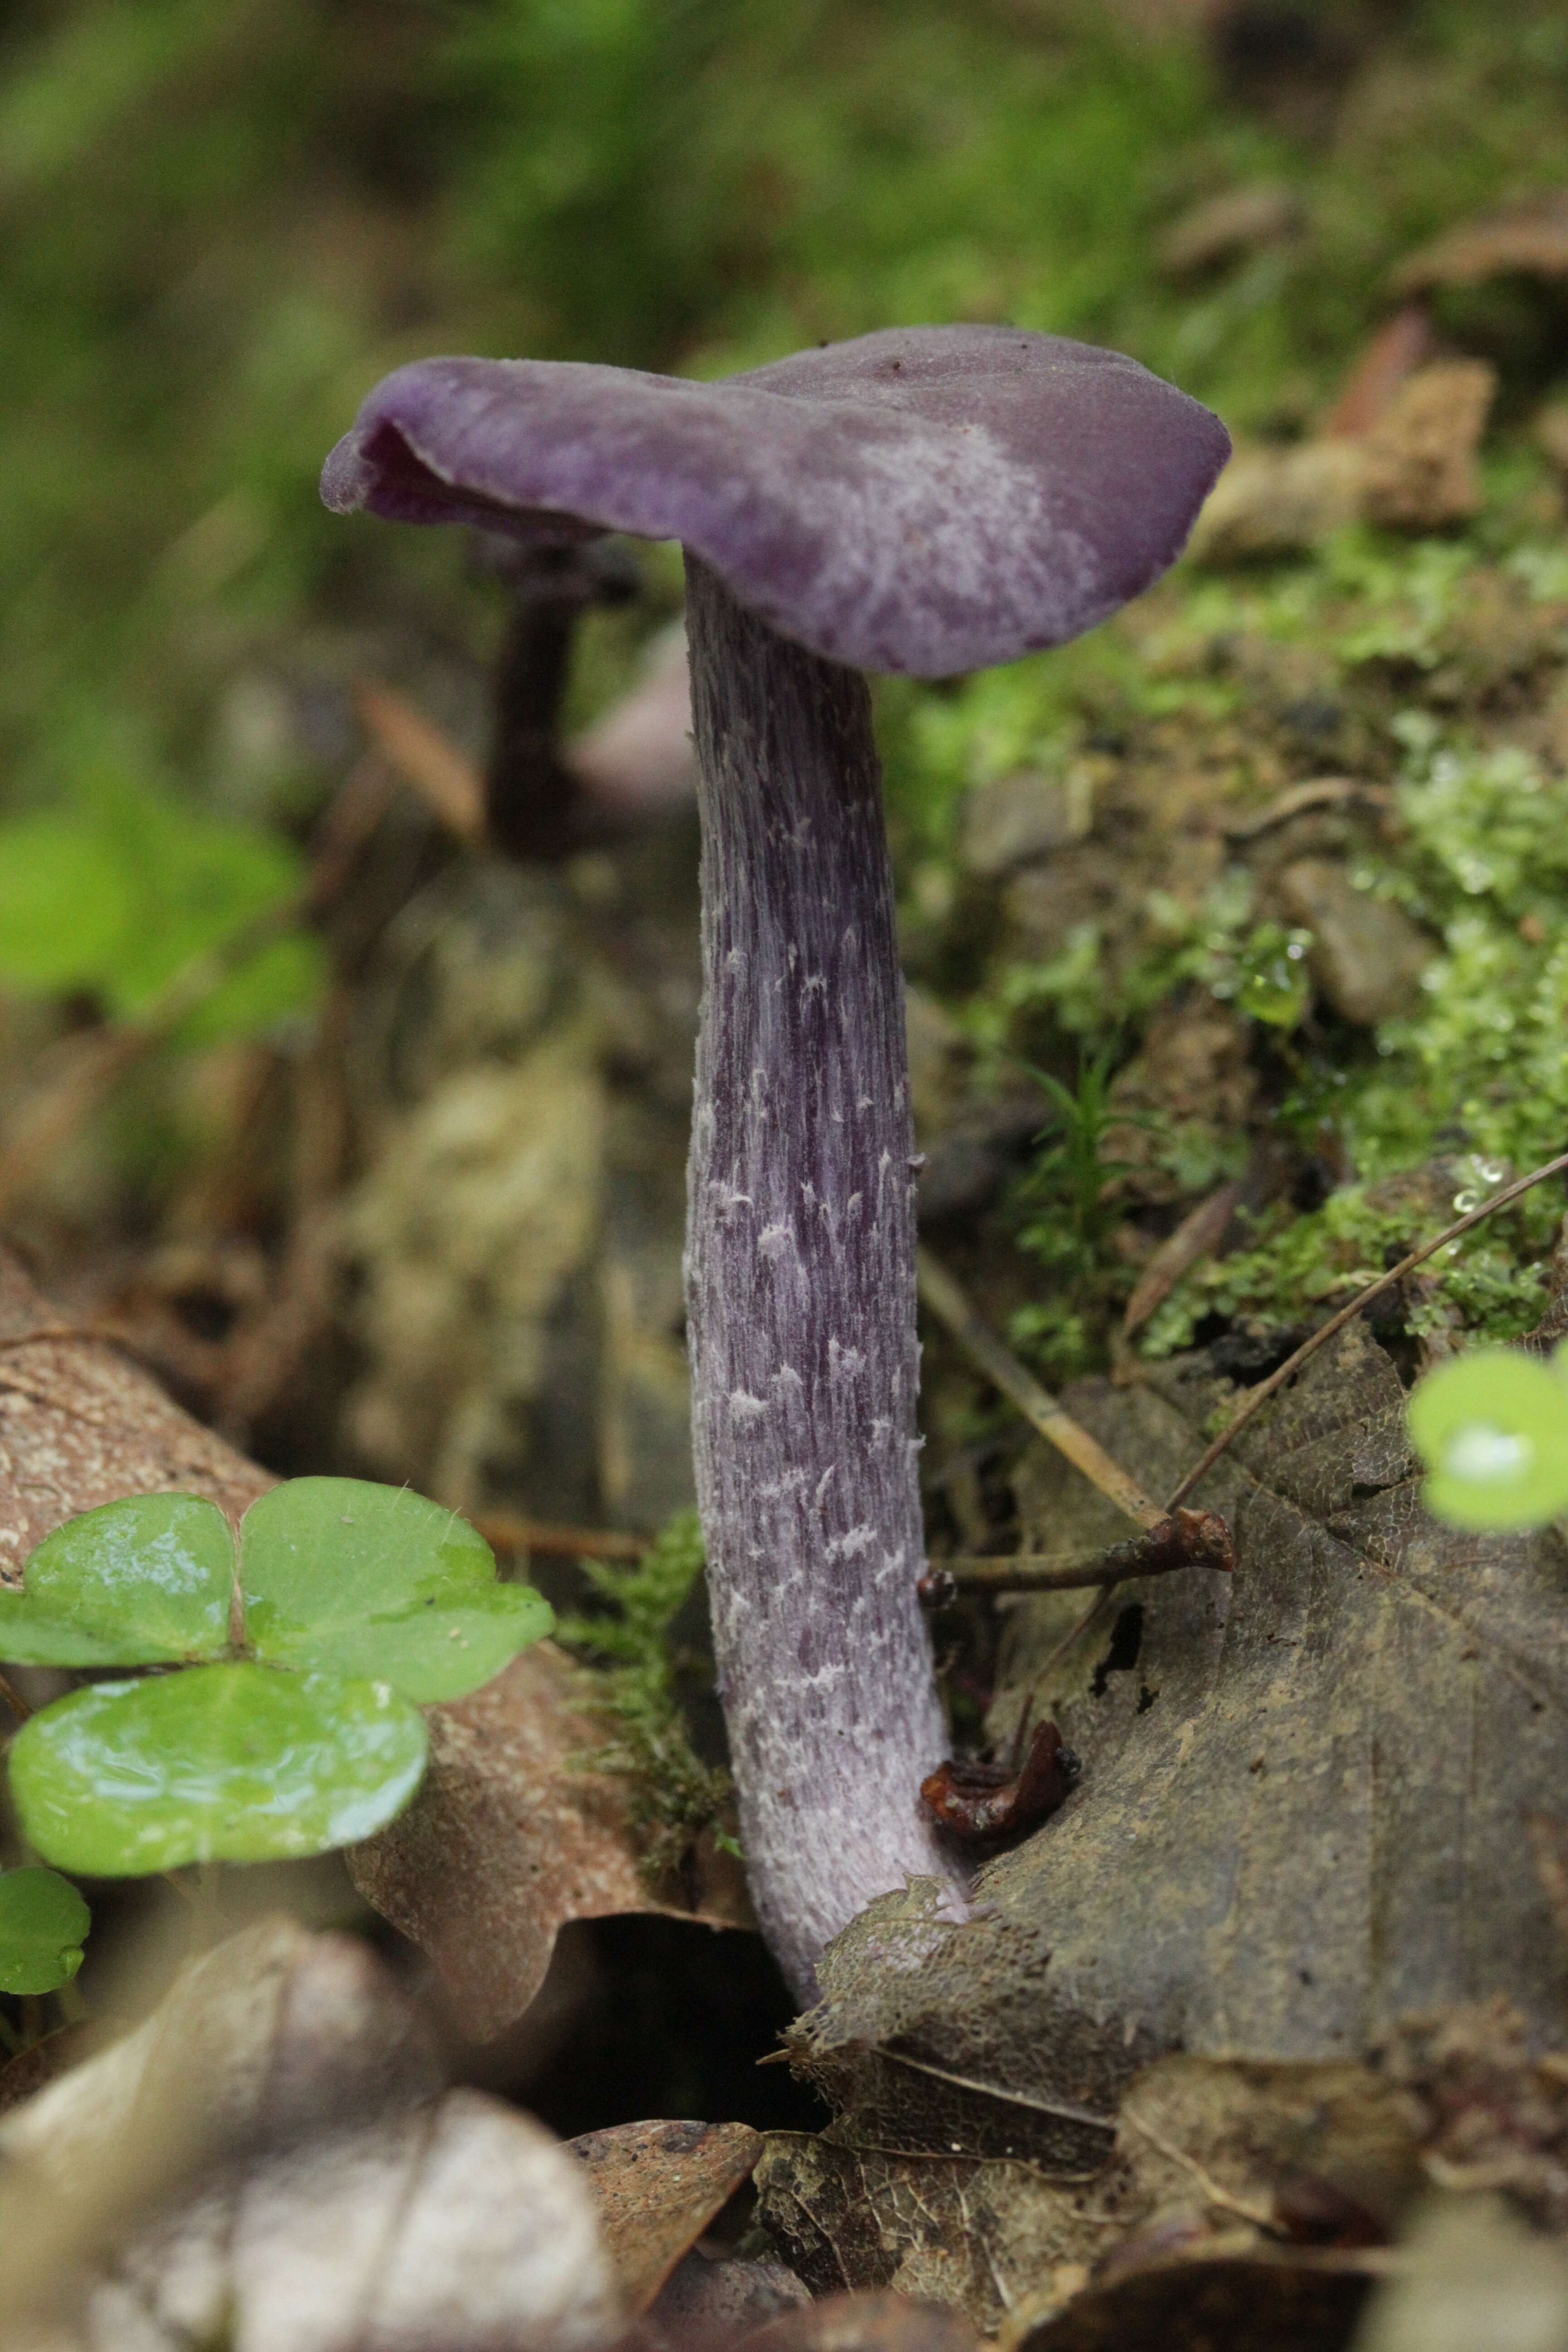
x: 801, y: 1287
x: 927, y: 500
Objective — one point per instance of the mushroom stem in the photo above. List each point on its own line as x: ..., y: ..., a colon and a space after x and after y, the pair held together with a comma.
x: 800, y: 1281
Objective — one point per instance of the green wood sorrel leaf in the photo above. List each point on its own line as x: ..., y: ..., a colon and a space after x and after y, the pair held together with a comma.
x: 231, y: 1763
x: 1492, y: 1428
x: 145, y: 1581
x: 43, y: 1926
x: 340, y: 1574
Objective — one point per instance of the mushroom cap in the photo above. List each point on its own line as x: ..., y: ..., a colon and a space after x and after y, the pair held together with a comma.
x: 927, y: 499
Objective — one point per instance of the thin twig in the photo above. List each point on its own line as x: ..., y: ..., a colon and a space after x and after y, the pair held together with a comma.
x: 1099, y: 1609
x: 1198, y: 1236
x: 448, y: 782
x: 13, y: 1697
x: 504, y: 1531
x: 947, y: 1301
x: 1256, y: 1398
x: 1192, y: 1540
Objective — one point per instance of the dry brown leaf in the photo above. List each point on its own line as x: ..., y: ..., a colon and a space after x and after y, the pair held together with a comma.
x: 269, y: 2159
x: 1273, y: 501
x: 80, y: 1425
x: 656, y: 2187
x: 1313, y: 2156
x: 510, y: 1837
x: 1420, y: 455
x: 708, y: 2303
x: 1244, y: 2302
x: 866, y: 2323
x: 1528, y: 239
x: 425, y: 757
x: 1304, y: 1801
x: 977, y: 2236
x: 1492, y: 2114
x: 1473, y: 2278
x: 1412, y: 467
x: 1223, y: 227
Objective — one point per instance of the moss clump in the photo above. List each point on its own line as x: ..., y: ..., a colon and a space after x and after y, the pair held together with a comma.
x: 1473, y: 1087
x: 1427, y: 677
x: 631, y: 1652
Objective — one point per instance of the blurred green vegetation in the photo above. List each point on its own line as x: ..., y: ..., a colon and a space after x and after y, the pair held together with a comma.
x: 218, y: 225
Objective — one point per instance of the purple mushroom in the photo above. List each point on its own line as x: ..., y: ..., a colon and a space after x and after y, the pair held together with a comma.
x: 927, y: 500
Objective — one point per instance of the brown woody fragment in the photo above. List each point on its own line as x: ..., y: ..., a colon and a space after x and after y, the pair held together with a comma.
x: 658, y: 2186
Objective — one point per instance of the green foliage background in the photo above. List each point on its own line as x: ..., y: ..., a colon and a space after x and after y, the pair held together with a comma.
x: 218, y: 225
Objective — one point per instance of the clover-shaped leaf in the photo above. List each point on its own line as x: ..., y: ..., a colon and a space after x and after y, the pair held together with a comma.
x: 310, y: 1647
x: 233, y: 1763
x: 366, y: 1580
x: 42, y: 1927
x: 1492, y: 1429
x: 143, y: 1582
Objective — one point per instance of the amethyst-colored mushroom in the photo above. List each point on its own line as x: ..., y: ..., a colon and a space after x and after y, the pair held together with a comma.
x: 926, y: 500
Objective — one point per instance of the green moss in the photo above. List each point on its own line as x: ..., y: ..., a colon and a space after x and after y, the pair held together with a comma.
x: 630, y: 1652
x: 1476, y: 1080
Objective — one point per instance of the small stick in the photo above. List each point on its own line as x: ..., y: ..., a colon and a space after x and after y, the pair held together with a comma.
x: 13, y: 1697
x: 449, y: 785
x: 1198, y: 1236
x: 1324, y: 791
x: 947, y: 1302
x: 1186, y: 1539
x: 1259, y: 1396
x: 506, y: 1532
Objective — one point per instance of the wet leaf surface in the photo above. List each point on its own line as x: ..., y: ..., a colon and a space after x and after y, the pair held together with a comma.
x: 143, y: 1582
x: 512, y: 1835
x: 230, y: 1763
x: 268, y: 2160
x: 376, y: 1581
x: 656, y: 2187
x: 1303, y: 1805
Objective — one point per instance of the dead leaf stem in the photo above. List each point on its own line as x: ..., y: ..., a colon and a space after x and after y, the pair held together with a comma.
x: 947, y: 1301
